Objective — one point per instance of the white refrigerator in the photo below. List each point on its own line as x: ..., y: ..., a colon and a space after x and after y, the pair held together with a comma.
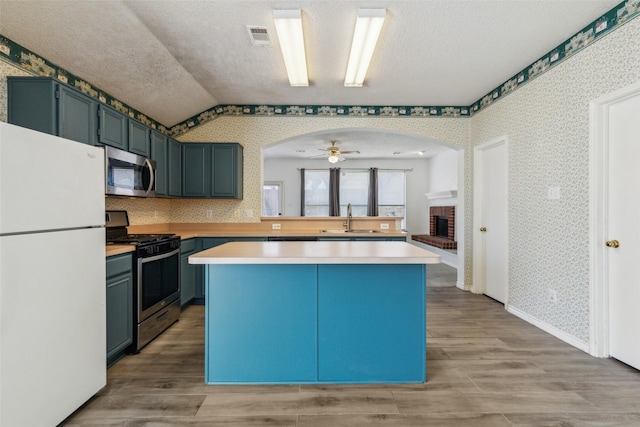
x: 52, y: 276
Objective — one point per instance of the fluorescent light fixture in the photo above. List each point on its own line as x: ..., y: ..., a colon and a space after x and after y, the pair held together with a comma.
x: 365, y: 37
x: 289, y: 28
x: 333, y: 158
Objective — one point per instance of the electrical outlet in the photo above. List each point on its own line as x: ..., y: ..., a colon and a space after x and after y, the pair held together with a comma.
x: 155, y: 214
x: 384, y: 226
x: 553, y: 296
x: 275, y: 226
x: 209, y: 213
x: 236, y: 213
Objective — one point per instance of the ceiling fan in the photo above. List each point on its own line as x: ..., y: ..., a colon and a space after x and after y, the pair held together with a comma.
x: 334, y: 153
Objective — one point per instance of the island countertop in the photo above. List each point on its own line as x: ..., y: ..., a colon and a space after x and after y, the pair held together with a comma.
x: 358, y: 252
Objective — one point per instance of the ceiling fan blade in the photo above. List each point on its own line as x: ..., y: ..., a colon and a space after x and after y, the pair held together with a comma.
x: 319, y: 156
x: 349, y: 152
x: 342, y: 159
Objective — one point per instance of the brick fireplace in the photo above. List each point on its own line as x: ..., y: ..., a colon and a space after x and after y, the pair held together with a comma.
x: 442, y: 228
x: 439, y: 215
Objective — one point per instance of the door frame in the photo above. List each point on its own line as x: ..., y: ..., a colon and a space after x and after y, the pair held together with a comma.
x: 599, y: 217
x: 479, y: 284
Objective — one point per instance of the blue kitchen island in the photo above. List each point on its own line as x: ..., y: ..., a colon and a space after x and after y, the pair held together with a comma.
x: 315, y: 312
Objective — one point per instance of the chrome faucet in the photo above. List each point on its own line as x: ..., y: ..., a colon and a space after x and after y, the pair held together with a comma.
x: 348, y: 223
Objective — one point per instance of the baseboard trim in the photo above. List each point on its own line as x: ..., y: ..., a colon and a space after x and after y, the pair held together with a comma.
x: 569, y: 339
x: 462, y: 286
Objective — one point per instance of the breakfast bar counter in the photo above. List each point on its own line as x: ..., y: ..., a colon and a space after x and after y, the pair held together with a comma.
x: 315, y: 312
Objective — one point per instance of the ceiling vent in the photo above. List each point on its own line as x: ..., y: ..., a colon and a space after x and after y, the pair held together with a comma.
x: 259, y: 35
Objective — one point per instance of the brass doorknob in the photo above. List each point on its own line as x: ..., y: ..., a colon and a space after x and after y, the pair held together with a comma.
x: 612, y: 244
x: 483, y: 229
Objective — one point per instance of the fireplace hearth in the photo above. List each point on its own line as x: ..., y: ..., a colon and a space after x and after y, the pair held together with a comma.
x: 442, y: 231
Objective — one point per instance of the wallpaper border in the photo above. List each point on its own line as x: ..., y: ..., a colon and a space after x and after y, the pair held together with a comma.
x: 614, y: 18
x: 22, y: 57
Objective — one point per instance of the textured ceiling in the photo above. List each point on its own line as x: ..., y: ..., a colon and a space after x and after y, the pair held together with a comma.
x: 174, y: 59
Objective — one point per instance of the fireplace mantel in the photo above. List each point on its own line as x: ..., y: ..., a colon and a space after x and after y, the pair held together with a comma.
x: 448, y: 194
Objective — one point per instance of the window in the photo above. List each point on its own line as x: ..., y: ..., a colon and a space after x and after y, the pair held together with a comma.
x: 354, y: 189
x: 316, y: 193
x: 392, y: 194
x: 272, y: 196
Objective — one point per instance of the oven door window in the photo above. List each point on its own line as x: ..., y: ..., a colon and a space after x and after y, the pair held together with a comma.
x: 159, y: 280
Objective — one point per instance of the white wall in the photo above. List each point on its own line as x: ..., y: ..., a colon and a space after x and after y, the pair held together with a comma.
x: 287, y: 171
x: 443, y: 176
x: 443, y: 171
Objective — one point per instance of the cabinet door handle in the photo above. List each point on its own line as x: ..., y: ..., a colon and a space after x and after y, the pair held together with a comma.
x: 483, y: 229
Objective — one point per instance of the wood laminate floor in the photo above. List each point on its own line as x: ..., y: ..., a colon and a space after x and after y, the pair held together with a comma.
x: 485, y: 367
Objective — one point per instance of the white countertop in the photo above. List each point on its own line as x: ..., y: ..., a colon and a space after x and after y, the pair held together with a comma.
x: 360, y: 252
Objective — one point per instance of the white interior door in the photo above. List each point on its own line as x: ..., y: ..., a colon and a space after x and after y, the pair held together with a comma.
x: 624, y: 227
x: 491, y: 219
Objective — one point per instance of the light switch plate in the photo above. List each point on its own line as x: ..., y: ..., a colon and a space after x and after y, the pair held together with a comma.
x: 553, y: 193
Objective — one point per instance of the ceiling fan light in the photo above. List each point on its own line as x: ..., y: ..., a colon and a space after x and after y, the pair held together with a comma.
x: 365, y: 37
x: 333, y: 159
x: 289, y: 28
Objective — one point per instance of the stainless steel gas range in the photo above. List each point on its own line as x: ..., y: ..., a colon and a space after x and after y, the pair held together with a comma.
x: 156, y: 295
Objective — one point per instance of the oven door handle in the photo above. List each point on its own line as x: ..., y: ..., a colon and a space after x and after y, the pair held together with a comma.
x: 142, y: 260
x: 152, y: 176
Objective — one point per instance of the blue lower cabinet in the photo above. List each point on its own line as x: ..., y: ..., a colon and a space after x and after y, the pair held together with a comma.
x: 204, y: 243
x: 119, y: 291
x: 368, y: 317
x: 188, y: 273
x: 261, y: 323
x: 307, y: 323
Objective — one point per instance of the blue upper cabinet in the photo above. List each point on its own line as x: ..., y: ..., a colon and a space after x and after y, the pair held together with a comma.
x: 45, y: 105
x: 76, y: 115
x: 159, y: 154
x: 196, y: 170
x: 112, y: 127
x: 174, y: 162
x: 227, y: 170
x: 212, y: 170
x: 139, y: 138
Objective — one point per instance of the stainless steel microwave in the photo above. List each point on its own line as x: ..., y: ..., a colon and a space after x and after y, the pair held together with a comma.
x: 129, y: 174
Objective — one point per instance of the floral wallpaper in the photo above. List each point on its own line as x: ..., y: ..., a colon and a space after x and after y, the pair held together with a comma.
x: 547, y: 123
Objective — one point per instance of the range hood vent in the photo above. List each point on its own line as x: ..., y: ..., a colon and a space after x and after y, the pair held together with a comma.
x: 259, y: 35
